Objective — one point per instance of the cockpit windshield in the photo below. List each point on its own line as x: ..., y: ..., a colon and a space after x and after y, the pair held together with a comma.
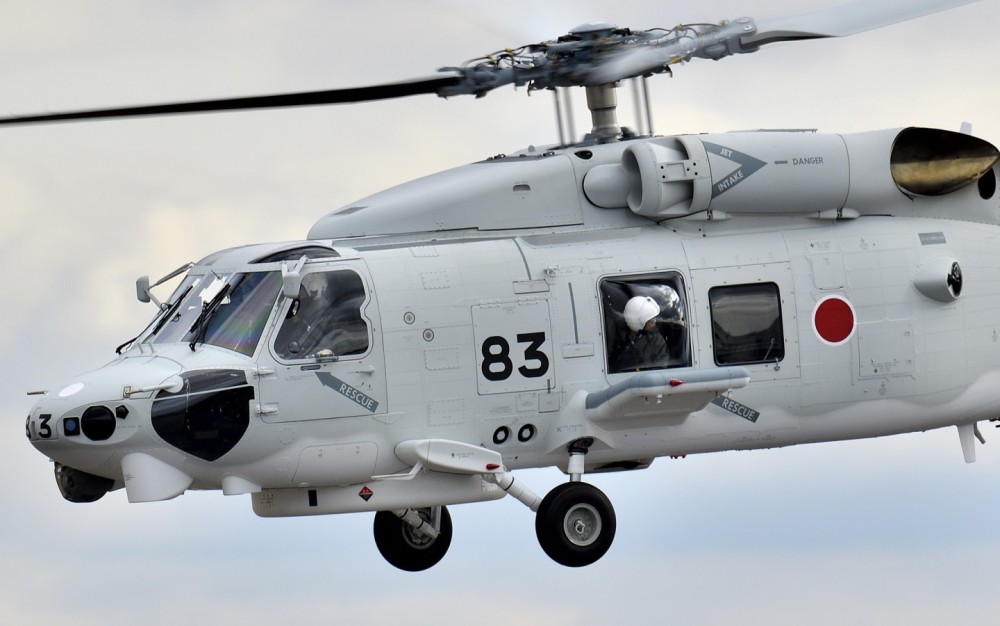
x: 242, y: 303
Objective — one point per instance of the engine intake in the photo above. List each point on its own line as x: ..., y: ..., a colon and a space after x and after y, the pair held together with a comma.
x: 932, y: 162
x: 799, y: 172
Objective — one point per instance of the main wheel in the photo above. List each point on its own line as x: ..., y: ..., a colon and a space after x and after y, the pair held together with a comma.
x: 575, y: 524
x: 407, y: 548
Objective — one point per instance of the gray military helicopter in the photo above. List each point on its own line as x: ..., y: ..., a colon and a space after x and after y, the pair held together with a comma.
x: 592, y: 306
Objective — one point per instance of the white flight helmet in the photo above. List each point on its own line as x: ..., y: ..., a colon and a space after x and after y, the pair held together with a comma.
x: 314, y: 285
x: 639, y: 310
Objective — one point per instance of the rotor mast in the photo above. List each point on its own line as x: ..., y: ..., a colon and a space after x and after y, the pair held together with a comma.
x: 602, y: 100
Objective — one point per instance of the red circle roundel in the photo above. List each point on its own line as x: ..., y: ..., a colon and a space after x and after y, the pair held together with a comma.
x: 834, y: 320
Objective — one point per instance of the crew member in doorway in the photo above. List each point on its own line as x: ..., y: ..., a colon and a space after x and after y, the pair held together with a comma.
x: 642, y: 347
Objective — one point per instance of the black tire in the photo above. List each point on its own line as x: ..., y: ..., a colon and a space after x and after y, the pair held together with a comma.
x: 407, y: 549
x: 79, y: 486
x: 575, y: 524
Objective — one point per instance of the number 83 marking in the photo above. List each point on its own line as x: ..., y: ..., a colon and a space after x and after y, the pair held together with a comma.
x: 497, y: 364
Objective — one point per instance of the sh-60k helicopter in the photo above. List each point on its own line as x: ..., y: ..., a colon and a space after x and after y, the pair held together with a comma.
x: 590, y: 305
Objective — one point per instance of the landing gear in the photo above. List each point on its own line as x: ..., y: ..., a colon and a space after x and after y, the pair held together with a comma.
x: 413, y: 540
x: 575, y: 524
x: 79, y: 486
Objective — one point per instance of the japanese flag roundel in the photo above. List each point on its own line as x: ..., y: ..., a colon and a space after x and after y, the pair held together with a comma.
x: 834, y: 320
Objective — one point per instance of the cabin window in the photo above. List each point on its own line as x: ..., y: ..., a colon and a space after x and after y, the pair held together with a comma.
x: 645, y: 324
x: 325, y: 321
x: 746, y: 324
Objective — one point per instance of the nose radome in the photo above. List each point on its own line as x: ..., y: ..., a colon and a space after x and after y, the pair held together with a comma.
x: 91, y: 408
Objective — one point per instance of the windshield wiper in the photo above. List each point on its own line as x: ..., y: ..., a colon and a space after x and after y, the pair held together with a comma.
x: 200, y: 326
x: 170, y: 311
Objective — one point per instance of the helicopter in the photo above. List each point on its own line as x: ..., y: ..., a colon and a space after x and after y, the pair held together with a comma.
x: 478, y: 316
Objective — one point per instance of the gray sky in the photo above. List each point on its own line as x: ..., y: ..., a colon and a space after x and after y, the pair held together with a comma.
x: 896, y: 530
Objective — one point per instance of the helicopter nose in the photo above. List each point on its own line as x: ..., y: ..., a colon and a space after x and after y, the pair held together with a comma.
x: 84, y: 424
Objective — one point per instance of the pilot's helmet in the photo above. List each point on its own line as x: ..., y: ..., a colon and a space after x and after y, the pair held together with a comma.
x: 639, y: 310
x: 314, y: 286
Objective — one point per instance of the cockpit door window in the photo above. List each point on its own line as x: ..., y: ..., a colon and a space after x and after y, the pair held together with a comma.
x: 325, y: 321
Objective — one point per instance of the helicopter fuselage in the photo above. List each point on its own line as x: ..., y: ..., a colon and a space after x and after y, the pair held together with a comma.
x: 373, y: 367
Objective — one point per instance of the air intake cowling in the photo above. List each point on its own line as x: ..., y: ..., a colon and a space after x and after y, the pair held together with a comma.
x: 932, y: 162
x: 787, y: 172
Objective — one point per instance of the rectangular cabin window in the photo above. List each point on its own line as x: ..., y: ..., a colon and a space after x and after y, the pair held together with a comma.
x: 746, y: 324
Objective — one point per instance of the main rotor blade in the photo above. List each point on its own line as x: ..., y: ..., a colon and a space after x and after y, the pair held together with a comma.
x: 306, y: 98
x: 747, y: 35
x: 844, y: 19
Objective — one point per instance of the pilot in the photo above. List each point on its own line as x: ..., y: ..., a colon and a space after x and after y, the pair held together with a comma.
x: 642, y: 347
x: 309, y: 328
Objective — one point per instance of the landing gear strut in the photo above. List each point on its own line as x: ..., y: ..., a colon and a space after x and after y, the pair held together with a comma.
x: 413, y: 540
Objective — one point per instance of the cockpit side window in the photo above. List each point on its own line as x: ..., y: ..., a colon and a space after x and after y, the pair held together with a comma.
x: 325, y: 320
x: 645, y: 323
